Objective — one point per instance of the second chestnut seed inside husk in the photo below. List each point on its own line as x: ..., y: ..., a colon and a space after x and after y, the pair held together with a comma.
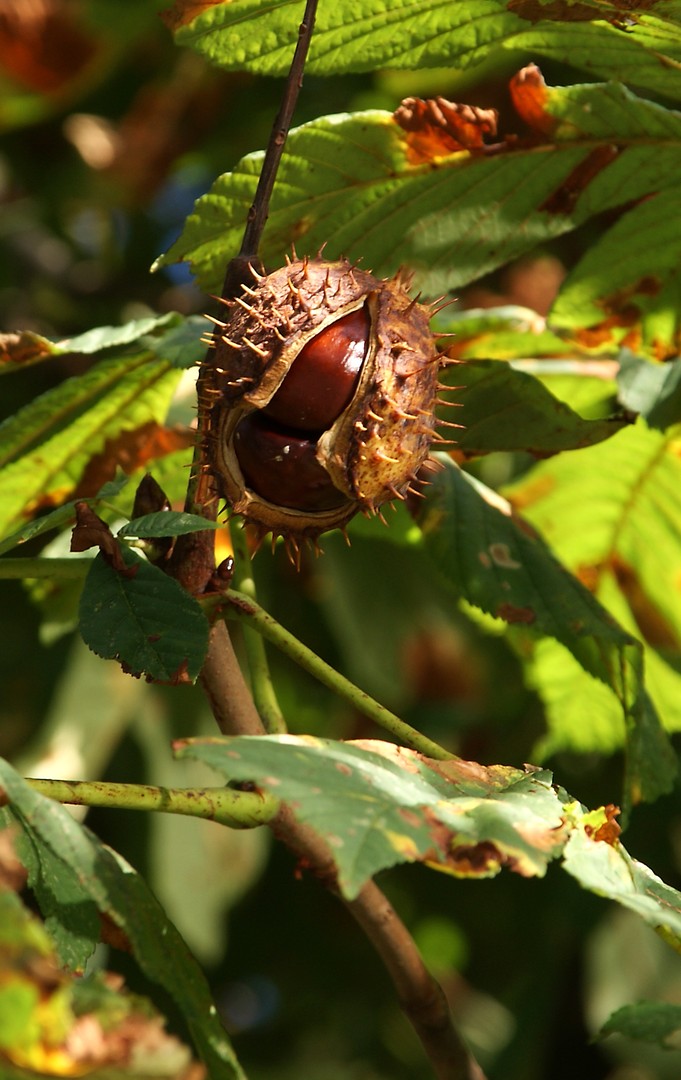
x: 328, y: 379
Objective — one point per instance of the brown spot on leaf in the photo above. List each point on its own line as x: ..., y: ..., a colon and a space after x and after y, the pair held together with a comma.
x: 112, y: 934
x: 652, y: 624
x: 609, y: 831
x: 181, y: 677
x: 529, y: 95
x: 473, y: 860
x: 564, y: 199
x: 436, y: 127
x: 510, y: 613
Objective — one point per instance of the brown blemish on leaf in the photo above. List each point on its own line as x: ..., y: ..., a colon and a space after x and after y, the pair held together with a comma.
x: 436, y: 127
x: 22, y: 348
x: 652, y: 624
x: 609, y: 831
x: 512, y: 614
x: 565, y: 197
x: 529, y: 95
x: 476, y: 860
x: 531, y: 492
x: 344, y: 769
x: 501, y: 555
x: 112, y: 934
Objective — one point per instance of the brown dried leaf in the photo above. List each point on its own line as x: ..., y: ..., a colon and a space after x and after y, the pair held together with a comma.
x: 90, y: 531
x: 529, y: 95
x: 23, y: 348
x: 437, y: 127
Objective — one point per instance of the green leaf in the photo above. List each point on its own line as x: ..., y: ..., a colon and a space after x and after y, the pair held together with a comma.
x: 631, y: 275
x: 62, y: 516
x: 26, y: 348
x: 345, y: 181
x: 144, y: 619
x: 45, y: 447
x: 607, y: 869
x: 181, y: 345
x: 167, y: 523
x: 505, y: 409
x: 259, y: 35
x: 73, y: 855
x: 377, y: 805
x: 495, y: 564
x: 653, y: 390
x: 612, y: 514
x: 647, y: 1021
x: 500, y: 333
x: 110, y: 337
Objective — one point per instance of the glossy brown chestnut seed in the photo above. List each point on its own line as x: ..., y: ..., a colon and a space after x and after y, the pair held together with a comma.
x: 281, y: 467
x: 323, y: 377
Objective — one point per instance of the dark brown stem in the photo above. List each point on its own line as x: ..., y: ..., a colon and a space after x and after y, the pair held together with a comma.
x: 420, y: 995
x: 230, y: 699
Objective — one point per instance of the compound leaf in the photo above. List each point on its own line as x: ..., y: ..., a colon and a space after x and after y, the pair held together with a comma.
x: 496, y: 564
x: 642, y: 46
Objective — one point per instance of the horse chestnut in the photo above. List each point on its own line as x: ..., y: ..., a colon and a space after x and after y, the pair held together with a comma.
x: 327, y: 380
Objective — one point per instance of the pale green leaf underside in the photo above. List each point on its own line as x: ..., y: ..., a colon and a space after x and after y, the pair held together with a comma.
x: 610, y: 871
x: 646, y: 1021
x: 358, y: 184
x: 79, y: 864
x: 362, y: 35
x: 377, y: 805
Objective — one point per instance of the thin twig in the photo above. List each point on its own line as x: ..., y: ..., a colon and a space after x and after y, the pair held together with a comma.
x: 225, y: 687
x: 262, y: 688
x: 257, y: 215
x: 250, y: 612
x: 236, y: 809
x: 420, y: 995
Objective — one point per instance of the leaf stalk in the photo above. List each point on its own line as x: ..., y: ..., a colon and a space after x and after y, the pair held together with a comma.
x: 236, y: 809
